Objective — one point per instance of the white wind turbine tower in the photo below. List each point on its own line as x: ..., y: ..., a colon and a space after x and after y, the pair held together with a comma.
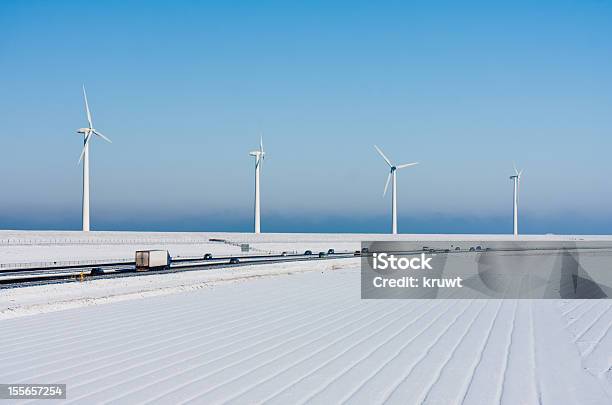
x: 517, y: 179
x: 393, y: 174
x: 87, y: 135
x: 259, y: 156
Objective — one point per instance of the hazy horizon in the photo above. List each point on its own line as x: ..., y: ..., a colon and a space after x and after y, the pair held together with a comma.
x: 322, y: 223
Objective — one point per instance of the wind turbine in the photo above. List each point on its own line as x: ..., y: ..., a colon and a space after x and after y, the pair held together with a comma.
x: 87, y: 135
x: 517, y: 179
x: 259, y: 156
x: 393, y: 174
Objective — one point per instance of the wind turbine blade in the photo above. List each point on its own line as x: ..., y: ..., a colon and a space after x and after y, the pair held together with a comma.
x: 514, y: 166
x: 87, y: 108
x: 387, y: 184
x: 261, y: 144
x: 102, y: 136
x: 84, y: 147
x: 407, y: 165
x: 383, y: 156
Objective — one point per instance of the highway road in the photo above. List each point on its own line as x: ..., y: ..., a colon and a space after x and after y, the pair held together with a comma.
x: 15, y: 278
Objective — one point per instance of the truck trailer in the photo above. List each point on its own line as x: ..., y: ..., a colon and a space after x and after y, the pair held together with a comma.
x: 152, y: 259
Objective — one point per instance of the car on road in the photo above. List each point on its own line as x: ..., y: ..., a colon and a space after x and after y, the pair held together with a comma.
x: 96, y: 271
x: 322, y: 254
x: 308, y: 252
x: 208, y: 256
x: 331, y: 251
x: 284, y: 254
x: 234, y: 260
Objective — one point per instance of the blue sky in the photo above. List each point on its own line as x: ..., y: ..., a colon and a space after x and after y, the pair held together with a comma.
x: 184, y: 89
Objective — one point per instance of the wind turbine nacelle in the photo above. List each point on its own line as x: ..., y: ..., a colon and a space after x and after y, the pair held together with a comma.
x: 254, y: 153
x: 82, y: 130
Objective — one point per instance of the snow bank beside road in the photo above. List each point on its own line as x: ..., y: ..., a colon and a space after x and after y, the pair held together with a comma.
x: 54, y: 297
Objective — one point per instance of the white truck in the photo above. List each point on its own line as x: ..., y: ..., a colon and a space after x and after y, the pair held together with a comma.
x: 152, y: 259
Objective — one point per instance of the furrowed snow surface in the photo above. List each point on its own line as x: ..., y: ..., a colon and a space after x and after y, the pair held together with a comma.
x: 307, y: 337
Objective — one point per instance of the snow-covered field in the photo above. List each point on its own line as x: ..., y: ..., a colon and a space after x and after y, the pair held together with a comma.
x: 297, y: 333
x: 307, y: 337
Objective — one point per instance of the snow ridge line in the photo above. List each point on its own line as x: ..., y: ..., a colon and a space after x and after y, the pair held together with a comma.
x: 571, y: 304
x: 485, y: 343
x: 320, y: 349
x: 500, y: 392
x: 121, y: 338
x: 592, y: 347
x: 216, y: 331
x: 425, y: 395
x: 102, y: 331
x: 164, y: 349
x: 306, y: 399
x: 396, y: 354
x: 590, y: 325
x: 534, y: 353
x: 47, y: 338
x: 129, y: 319
x: 351, y: 394
x: 227, y: 354
x: 426, y: 352
x: 191, y: 348
x: 579, y: 315
x: 156, y: 341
